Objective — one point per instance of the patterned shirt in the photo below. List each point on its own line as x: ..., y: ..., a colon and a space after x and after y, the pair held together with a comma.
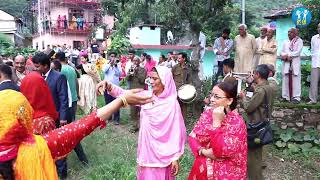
x: 217, y: 46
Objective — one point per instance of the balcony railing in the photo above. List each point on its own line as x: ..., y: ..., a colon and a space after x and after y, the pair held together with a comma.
x: 69, y: 27
x: 79, y: 2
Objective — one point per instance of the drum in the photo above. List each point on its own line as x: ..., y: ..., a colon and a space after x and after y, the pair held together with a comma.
x: 187, y: 93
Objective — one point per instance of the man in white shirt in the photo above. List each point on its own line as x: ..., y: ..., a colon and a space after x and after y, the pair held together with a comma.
x: 315, y: 64
x: 259, y: 42
x: 222, y: 48
x: 291, y: 66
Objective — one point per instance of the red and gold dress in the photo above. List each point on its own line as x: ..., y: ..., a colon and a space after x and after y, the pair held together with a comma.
x: 34, y: 155
x: 229, y: 146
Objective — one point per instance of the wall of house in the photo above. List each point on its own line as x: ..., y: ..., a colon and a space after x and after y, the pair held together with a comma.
x: 60, y: 10
x: 55, y: 39
x: 209, y: 58
x: 145, y: 35
x: 7, y: 22
x: 283, y: 26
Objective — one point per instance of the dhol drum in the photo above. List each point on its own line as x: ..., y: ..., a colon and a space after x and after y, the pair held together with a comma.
x: 187, y: 93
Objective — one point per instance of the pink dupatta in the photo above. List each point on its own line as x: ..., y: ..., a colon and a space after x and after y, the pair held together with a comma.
x: 162, y: 132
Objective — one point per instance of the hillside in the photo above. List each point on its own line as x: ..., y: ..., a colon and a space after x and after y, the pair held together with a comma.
x: 261, y: 8
x: 14, y: 7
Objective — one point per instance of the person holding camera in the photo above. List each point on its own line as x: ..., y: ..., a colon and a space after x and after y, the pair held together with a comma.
x: 112, y: 72
x: 136, y: 76
x: 258, y: 111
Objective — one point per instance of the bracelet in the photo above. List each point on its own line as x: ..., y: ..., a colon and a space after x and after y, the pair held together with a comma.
x: 124, y: 101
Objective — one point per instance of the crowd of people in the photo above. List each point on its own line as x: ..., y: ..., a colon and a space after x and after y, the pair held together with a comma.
x: 38, y: 125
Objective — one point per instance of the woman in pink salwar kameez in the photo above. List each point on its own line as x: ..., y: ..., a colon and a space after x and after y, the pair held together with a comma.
x: 162, y: 131
x: 219, y: 138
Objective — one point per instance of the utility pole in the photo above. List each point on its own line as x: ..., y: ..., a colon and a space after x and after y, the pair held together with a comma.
x: 243, y: 4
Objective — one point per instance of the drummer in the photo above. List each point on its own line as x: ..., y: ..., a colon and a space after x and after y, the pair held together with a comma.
x: 182, y: 75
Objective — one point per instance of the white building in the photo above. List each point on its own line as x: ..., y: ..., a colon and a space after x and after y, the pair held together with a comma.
x: 11, y: 27
x: 145, y: 35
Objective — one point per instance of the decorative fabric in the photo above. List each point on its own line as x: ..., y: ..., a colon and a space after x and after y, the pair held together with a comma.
x: 18, y: 142
x: 229, y: 145
x: 43, y: 125
x: 34, y: 156
x: 61, y: 141
x: 87, y: 93
x: 162, y: 131
x: 36, y: 90
x: 91, y: 70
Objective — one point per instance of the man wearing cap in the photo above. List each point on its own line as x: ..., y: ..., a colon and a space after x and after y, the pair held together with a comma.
x: 245, y: 47
x: 260, y: 41
x: 269, y: 49
x: 291, y: 67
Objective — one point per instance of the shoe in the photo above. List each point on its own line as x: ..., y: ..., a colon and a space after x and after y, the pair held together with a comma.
x: 294, y: 101
x: 311, y: 102
x: 284, y: 100
x: 116, y: 123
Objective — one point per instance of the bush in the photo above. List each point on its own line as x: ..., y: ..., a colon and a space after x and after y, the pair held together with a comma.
x: 120, y: 44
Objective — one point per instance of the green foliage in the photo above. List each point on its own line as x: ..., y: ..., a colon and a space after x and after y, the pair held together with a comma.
x: 14, y: 7
x: 311, y: 29
x: 4, y: 41
x: 14, y: 51
x: 305, y: 74
x: 291, y: 141
x: 120, y: 44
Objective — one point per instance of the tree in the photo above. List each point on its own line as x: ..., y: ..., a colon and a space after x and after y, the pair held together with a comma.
x: 14, y: 7
x: 307, y: 33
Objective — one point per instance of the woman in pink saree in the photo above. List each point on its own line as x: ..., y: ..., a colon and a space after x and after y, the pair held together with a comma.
x: 162, y: 131
x: 219, y: 138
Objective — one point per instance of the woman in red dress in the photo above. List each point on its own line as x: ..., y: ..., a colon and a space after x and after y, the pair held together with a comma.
x: 219, y: 138
x: 24, y: 155
x: 36, y: 90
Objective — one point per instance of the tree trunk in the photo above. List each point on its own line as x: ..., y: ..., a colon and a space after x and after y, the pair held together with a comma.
x: 195, y: 58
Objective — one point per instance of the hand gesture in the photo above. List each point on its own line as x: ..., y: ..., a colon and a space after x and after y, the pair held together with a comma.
x: 218, y: 116
x: 175, y: 168
x: 133, y: 98
x: 242, y: 95
x: 102, y: 86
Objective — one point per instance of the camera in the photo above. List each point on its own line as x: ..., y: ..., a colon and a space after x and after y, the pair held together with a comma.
x: 131, y: 70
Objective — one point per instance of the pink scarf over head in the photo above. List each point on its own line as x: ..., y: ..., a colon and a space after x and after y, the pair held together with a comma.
x: 162, y: 133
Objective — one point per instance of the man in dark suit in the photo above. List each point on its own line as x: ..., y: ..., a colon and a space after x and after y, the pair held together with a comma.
x: 59, y: 89
x: 5, y: 78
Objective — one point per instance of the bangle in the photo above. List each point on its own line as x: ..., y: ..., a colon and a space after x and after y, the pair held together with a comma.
x: 124, y: 101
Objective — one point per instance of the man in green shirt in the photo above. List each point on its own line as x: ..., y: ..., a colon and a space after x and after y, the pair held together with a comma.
x: 72, y: 80
x: 256, y: 110
x: 181, y: 73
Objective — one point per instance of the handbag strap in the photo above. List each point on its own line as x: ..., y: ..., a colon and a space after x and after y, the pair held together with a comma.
x: 266, y: 104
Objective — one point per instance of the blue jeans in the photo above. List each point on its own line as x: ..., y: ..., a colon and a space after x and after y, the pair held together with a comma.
x: 108, y: 99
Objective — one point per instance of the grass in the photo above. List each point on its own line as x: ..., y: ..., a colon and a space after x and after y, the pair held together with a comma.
x: 112, y: 154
